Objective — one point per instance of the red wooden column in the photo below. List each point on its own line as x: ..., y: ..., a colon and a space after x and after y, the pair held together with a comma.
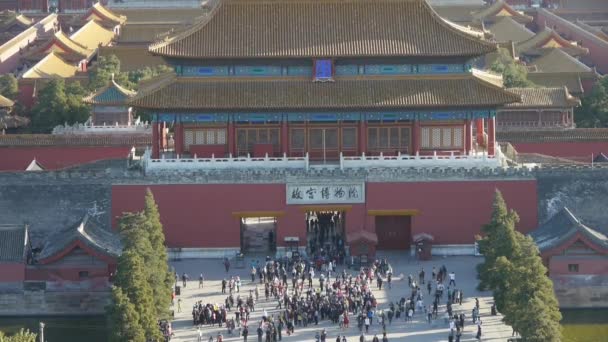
x: 163, y: 136
x: 480, y: 129
x: 155, y: 141
x: 415, y: 138
x: 178, y: 138
x: 231, y: 138
x: 362, y: 136
x: 284, y: 137
x: 491, y: 136
x: 468, y: 137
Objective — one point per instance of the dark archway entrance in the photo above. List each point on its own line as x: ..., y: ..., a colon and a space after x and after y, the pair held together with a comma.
x: 325, y: 232
x: 258, y: 234
x: 394, y: 232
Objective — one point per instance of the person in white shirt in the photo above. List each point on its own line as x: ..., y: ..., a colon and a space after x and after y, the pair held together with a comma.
x: 452, y: 278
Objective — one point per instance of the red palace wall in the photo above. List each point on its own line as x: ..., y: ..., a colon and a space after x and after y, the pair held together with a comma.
x: 579, y: 151
x: 57, y: 157
x: 12, y: 272
x: 197, y: 215
x: 586, y: 266
x: 64, y: 273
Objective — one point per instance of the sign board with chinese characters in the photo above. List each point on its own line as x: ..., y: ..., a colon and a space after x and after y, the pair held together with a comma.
x: 325, y: 193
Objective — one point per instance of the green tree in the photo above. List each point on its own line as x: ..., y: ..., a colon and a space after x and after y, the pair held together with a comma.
x: 9, y: 86
x: 529, y: 303
x: 161, y: 278
x: 593, y: 111
x: 499, y: 240
x: 21, y: 336
x: 514, y: 74
x: 514, y: 271
x: 124, y: 319
x: 136, y: 76
x: 131, y: 278
x: 102, y: 72
x: 58, y: 104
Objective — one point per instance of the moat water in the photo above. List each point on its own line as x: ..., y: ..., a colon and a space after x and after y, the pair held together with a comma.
x: 60, y: 329
x: 579, y: 326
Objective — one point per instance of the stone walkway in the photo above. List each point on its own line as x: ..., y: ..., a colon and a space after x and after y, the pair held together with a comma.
x: 418, y: 330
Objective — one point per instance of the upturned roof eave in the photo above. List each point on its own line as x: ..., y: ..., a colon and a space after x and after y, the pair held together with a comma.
x: 483, y: 45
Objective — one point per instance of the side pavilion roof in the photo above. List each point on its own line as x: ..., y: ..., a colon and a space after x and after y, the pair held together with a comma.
x: 561, y: 228
x: 85, y: 234
x: 500, y: 9
x: 322, y: 28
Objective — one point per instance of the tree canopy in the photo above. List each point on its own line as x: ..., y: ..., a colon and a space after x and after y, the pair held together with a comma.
x: 514, y: 74
x: 21, y: 336
x: 124, y: 319
x: 593, y: 111
x: 107, y: 66
x: 514, y: 271
x: 9, y: 86
x: 57, y: 104
x: 142, y: 280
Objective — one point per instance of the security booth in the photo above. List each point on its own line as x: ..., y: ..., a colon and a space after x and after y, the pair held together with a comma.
x: 293, y: 247
x: 362, y: 247
x: 424, y: 246
x: 239, y: 260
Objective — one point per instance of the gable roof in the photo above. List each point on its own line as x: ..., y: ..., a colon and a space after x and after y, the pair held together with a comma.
x: 362, y: 235
x: 557, y: 60
x: 51, y: 66
x: 257, y: 93
x: 111, y: 94
x: 92, y: 34
x: 13, y: 242
x: 6, y: 103
x: 562, y: 227
x: 543, y: 98
x: 321, y: 28
x: 9, y: 19
x: 23, y: 38
x: 99, y: 12
x: 548, y: 39
x: 600, y: 158
x: 570, y: 80
x: 61, y: 44
x: 501, y: 9
x: 506, y: 29
x: 34, y: 166
x: 85, y: 232
x: 595, y: 30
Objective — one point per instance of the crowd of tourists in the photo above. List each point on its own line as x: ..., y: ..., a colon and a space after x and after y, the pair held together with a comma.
x: 304, y: 293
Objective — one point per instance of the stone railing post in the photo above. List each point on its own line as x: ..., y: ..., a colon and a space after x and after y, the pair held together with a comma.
x: 341, y: 161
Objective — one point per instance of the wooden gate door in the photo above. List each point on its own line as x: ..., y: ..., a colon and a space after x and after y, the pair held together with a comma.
x: 394, y: 232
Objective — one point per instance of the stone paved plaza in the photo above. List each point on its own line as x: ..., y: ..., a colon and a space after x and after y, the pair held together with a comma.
x: 417, y: 330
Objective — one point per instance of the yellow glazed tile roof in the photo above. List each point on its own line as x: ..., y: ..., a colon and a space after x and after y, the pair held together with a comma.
x: 92, y: 34
x: 51, y: 66
x: 322, y: 28
x: 257, y: 93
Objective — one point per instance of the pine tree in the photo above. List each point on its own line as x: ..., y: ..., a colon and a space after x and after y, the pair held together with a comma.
x: 160, y: 278
x: 124, y: 319
x: 514, y: 271
x: 499, y: 240
x: 131, y: 277
x: 529, y: 305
